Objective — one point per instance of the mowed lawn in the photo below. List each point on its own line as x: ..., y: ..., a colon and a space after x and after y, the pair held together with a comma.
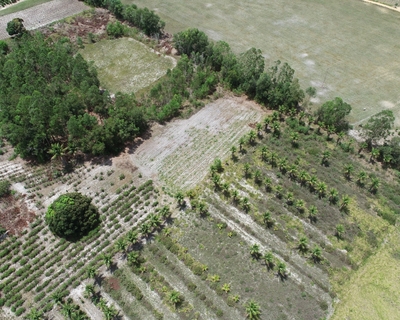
x: 343, y: 48
x: 126, y: 65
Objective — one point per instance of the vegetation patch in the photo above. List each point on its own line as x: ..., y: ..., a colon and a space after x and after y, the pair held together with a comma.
x: 125, y: 64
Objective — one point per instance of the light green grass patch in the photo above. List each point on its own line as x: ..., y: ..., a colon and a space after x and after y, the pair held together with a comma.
x: 22, y: 5
x: 126, y: 65
x: 373, y: 292
x: 342, y: 48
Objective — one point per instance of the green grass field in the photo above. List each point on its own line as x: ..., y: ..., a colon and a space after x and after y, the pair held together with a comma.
x: 343, y: 48
x: 22, y: 5
x: 125, y: 64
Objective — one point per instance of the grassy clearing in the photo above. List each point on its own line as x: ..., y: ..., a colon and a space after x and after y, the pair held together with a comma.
x: 349, y: 51
x: 373, y: 291
x: 125, y: 64
x: 21, y: 5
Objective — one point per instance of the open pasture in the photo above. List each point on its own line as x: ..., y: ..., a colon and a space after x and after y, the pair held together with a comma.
x: 126, y: 65
x: 342, y: 48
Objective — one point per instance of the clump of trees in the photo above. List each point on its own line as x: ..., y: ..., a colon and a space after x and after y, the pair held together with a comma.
x: 4, y: 188
x: 50, y: 96
x: 15, y: 27
x: 332, y: 115
x: 72, y: 216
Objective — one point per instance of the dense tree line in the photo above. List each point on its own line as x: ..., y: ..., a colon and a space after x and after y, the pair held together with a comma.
x: 142, y: 18
x: 50, y: 97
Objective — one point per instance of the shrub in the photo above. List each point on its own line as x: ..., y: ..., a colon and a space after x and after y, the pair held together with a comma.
x: 72, y: 216
x: 4, y: 188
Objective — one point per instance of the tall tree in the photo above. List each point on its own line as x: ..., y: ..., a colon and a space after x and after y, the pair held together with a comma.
x: 333, y: 113
x: 379, y: 126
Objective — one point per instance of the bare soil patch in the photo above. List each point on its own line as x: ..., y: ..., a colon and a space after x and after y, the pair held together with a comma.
x: 14, y: 214
x: 180, y: 153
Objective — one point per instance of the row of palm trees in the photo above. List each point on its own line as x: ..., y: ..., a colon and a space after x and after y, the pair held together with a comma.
x: 361, y: 179
x: 109, y: 311
x: 270, y: 261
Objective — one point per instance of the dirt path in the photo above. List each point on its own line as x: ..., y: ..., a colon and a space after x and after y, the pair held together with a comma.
x: 43, y: 14
x: 382, y: 5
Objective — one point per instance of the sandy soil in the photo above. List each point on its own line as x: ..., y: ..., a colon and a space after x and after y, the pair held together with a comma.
x: 179, y: 154
x: 43, y: 14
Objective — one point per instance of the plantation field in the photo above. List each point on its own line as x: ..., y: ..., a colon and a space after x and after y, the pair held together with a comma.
x: 342, y: 48
x: 20, y: 5
x: 41, y: 14
x: 126, y: 65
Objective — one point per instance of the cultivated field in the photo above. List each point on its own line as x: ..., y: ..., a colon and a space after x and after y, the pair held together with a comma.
x: 180, y: 153
x: 43, y: 14
x: 20, y: 5
x: 343, y: 48
x: 126, y: 65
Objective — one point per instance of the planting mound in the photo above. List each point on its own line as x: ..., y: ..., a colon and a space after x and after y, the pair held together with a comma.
x: 72, y: 216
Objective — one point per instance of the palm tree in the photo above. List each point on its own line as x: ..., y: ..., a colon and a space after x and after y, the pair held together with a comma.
x: 312, y: 213
x: 273, y: 157
x: 282, y: 164
x: 340, y: 137
x: 226, y: 287
x: 362, y: 175
x: 35, y: 314
x: 333, y: 195
x: 387, y: 159
x: 107, y: 259
x: 268, y: 184
x: 91, y: 272
x: 253, y: 310
x: 278, y: 191
x: 102, y: 304
x: 325, y: 158
x: 282, y: 269
x: 331, y: 130
x: 289, y: 198
x: 132, y: 236
x: 316, y: 254
x: 321, y: 125
x: 145, y: 229
x: 312, y: 182
x: 57, y: 151
x: 292, y: 170
x: 300, y: 205
x: 303, y: 176
x: 344, y: 205
x: 120, y: 245
x: 303, y: 244
x: 110, y: 312
x: 294, y: 137
x: 374, y: 154
x: 255, y: 251
x: 257, y: 176
x: 339, y: 231
x: 233, y: 151
x: 225, y: 188
x: 275, y: 116
x: 246, y: 204
x: 311, y: 119
x: 246, y: 168
x: 175, y: 298
x: 57, y: 297
x: 89, y: 291
x: 282, y: 109
x: 269, y: 260
x: 259, y: 128
x: 235, y: 195
x: 67, y: 310
x: 374, y: 185
x: 363, y: 145
x: 266, y: 121
x: 348, y: 170
x: 277, y: 129
x: 264, y: 151
x: 133, y: 258
x: 252, y: 136
x: 321, y: 189
x: 180, y: 198
x: 242, y: 141
x: 165, y: 213
x: 154, y: 221
x: 267, y: 218
x: 216, y: 179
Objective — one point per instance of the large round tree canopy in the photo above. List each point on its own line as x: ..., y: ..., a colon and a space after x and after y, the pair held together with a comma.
x: 72, y: 216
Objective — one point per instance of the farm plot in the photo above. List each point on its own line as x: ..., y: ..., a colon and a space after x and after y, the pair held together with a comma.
x: 342, y: 48
x: 126, y: 65
x: 180, y: 153
x: 43, y: 14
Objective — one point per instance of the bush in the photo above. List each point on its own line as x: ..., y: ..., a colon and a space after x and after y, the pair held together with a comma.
x: 4, y: 188
x: 72, y: 216
x: 115, y: 29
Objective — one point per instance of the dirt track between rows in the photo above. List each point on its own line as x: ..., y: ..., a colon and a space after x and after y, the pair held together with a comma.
x: 43, y: 14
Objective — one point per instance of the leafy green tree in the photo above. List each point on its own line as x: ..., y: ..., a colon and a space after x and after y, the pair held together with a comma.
x: 253, y: 310
x: 71, y: 216
x: 115, y: 29
x: 3, y: 47
x: 191, y: 41
x: 15, y: 27
x: 250, y: 66
x: 333, y: 113
x: 379, y: 126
